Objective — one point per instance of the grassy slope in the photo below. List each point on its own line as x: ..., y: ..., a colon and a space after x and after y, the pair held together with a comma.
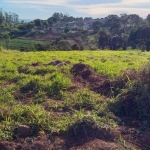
x: 34, y: 93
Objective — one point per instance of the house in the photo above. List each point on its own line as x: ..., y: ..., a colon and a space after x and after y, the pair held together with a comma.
x: 72, y: 25
x: 86, y: 25
x: 61, y: 30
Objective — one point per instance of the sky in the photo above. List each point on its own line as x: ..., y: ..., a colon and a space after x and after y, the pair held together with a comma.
x: 43, y: 9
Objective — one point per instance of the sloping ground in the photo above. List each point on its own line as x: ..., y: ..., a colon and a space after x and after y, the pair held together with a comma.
x: 86, y: 137
x: 61, y: 105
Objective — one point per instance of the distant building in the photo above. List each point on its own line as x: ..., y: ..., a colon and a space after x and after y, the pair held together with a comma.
x: 73, y: 25
x: 61, y: 30
x: 86, y: 25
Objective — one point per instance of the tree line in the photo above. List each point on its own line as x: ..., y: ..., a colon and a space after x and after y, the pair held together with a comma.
x: 111, y: 32
x: 7, y: 18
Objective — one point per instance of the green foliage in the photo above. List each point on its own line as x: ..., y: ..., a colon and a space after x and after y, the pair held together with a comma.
x: 32, y: 86
x: 19, y: 114
x: 133, y: 101
x: 25, y: 45
x: 83, y: 99
x: 59, y: 85
x: 82, y: 125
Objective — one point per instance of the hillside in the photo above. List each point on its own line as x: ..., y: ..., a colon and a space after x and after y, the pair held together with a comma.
x: 64, y: 32
x: 74, y: 100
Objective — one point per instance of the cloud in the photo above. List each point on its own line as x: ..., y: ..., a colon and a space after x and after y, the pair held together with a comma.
x: 45, y: 2
x: 124, y: 6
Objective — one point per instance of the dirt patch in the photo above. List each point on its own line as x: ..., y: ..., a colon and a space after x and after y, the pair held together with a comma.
x: 35, y: 64
x: 6, y: 83
x: 59, y: 63
x: 24, y: 98
x: 38, y: 143
x: 87, y: 136
x: 96, y: 144
x: 87, y: 77
x: 104, y: 140
x: 134, y: 138
x: 144, y: 139
x: 6, y: 145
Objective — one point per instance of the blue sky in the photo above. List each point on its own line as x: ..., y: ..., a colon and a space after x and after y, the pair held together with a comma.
x: 43, y: 9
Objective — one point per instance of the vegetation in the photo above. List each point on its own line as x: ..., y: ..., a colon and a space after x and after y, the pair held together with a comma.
x: 7, y: 19
x: 26, y: 44
x: 74, y: 96
x: 38, y: 89
x: 64, y: 32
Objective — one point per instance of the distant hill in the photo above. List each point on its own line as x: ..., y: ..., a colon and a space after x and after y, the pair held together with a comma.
x: 25, y: 20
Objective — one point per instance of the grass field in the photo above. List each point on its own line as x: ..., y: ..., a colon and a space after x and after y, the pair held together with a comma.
x: 39, y: 90
x: 23, y: 44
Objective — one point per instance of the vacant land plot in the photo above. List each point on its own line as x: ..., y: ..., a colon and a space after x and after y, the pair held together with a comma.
x: 74, y: 100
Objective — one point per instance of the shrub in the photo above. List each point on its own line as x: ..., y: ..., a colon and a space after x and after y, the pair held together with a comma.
x: 133, y: 101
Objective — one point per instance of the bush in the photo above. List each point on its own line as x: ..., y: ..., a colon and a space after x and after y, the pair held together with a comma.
x: 75, y: 47
x: 133, y: 101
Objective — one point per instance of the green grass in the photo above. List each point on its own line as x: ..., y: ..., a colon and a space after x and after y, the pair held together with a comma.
x: 109, y: 63
x: 22, y: 44
x: 34, y: 93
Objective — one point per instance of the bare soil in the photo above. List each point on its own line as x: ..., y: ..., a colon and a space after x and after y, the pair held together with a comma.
x: 87, y: 77
x: 102, y: 140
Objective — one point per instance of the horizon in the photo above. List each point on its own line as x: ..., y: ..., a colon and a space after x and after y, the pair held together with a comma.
x: 33, y: 9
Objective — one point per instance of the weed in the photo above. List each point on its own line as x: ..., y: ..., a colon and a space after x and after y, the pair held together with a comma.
x: 82, y: 125
x: 83, y: 99
x: 39, y: 97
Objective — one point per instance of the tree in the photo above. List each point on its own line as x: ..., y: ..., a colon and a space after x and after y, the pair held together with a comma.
x: 46, y: 23
x: 104, y: 40
x: 1, y: 16
x: 37, y: 22
x: 40, y: 47
x: 50, y: 21
x: 96, y: 29
x: 31, y: 47
x: 118, y: 42
x: 75, y: 47
x: 66, y: 30
x: 22, y: 27
x: 64, y: 45
x: 140, y: 37
x: 7, y: 19
x: 113, y: 21
x: 57, y: 16
x: 30, y: 26
x: 148, y: 18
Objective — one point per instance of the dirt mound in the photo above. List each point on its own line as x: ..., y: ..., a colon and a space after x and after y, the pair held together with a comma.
x: 96, y: 144
x: 35, y: 64
x: 87, y: 137
x: 59, y: 63
x: 36, y: 143
x: 86, y: 76
x: 144, y: 139
x: 7, y: 145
